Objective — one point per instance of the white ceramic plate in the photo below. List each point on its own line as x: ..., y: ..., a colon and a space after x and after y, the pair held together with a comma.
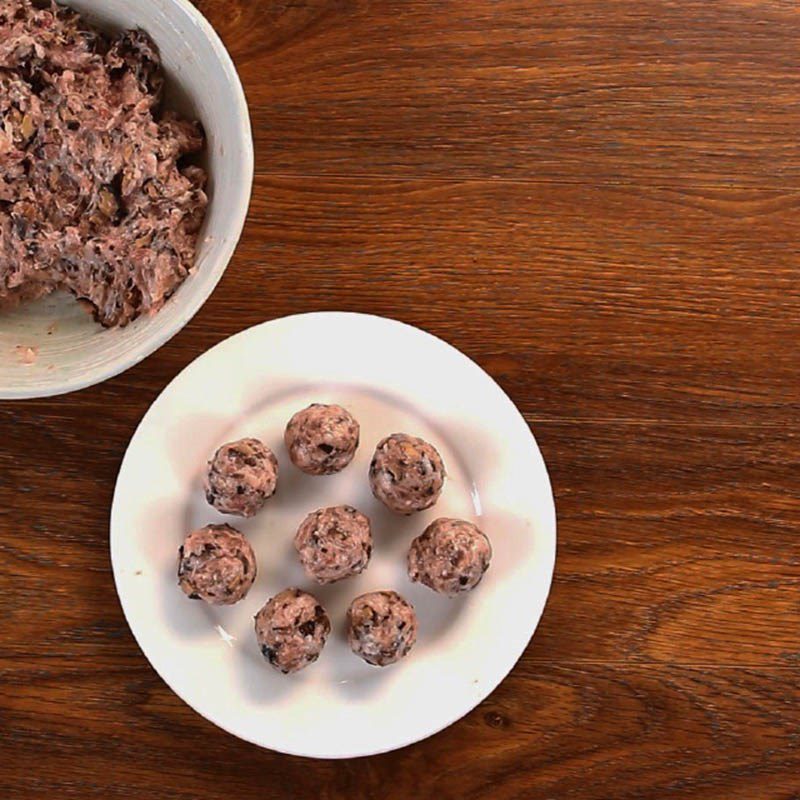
x: 392, y: 377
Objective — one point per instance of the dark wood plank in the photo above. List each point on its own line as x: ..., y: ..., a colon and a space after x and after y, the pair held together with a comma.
x: 666, y: 663
x: 549, y: 731
x: 653, y: 91
x: 580, y: 308
x: 586, y: 302
x: 677, y: 545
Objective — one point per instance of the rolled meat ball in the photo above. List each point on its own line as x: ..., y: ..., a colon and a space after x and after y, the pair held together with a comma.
x: 381, y: 627
x: 450, y: 556
x: 334, y: 543
x: 216, y: 564
x: 322, y: 439
x: 406, y: 473
x: 241, y: 477
x: 291, y: 630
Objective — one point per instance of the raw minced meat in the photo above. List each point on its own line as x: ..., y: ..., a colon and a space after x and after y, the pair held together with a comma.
x: 450, y: 556
x: 334, y: 543
x: 322, y: 439
x: 406, y: 473
x: 241, y: 477
x: 291, y: 630
x: 94, y: 196
x: 381, y: 627
x: 216, y: 564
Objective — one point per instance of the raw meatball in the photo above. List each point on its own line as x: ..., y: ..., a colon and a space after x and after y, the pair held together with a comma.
x: 381, y: 627
x: 322, y: 439
x: 450, y: 556
x: 406, y: 473
x: 291, y: 630
x: 241, y: 477
x: 216, y: 564
x: 334, y: 543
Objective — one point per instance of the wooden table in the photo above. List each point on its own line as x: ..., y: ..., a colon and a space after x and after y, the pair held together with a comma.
x: 597, y: 201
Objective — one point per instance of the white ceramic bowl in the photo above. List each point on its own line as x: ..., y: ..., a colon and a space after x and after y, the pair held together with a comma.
x: 53, y: 346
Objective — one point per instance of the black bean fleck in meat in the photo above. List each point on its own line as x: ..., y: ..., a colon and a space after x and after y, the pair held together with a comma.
x: 308, y: 628
x: 326, y: 448
x: 268, y: 652
x: 463, y: 580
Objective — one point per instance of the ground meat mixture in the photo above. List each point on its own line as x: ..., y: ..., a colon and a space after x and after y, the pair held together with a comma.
x: 450, y: 556
x: 241, y: 477
x: 381, y: 627
x: 406, y: 473
x: 94, y: 195
x: 334, y: 543
x: 216, y: 564
x: 291, y: 630
x: 322, y: 439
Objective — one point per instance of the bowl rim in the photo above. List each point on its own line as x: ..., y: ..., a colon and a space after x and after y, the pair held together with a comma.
x: 214, y: 272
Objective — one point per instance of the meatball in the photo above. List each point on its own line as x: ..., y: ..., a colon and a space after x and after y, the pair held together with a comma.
x: 241, y: 477
x: 334, y: 543
x: 381, y: 627
x: 449, y: 556
x: 322, y: 439
x: 406, y: 473
x: 216, y: 564
x: 291, y: 630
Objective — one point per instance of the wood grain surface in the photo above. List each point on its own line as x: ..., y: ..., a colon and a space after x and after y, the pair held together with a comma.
x: 598, y: 202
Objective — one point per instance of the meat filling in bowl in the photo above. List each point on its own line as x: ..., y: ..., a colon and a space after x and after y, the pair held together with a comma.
x: 95, y: 197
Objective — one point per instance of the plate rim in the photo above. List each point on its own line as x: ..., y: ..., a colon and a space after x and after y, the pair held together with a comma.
x: 550, y: 531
